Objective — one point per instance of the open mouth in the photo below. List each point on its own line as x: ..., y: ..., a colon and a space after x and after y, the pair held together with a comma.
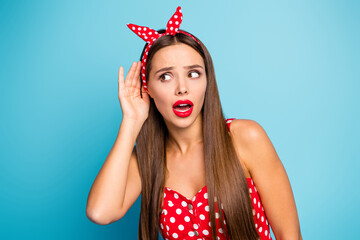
x: 182, y: 107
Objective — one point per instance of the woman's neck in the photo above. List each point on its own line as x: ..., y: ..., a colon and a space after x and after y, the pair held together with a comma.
x: 181, y: 140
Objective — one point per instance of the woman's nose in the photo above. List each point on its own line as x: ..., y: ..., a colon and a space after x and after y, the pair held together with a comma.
x: 181, y: 87
x: 182, y: 91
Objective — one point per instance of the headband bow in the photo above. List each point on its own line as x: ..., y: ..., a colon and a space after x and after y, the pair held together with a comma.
x: 150, y: 36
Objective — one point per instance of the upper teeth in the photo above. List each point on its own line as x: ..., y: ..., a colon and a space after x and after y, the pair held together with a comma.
x: 182, y: 105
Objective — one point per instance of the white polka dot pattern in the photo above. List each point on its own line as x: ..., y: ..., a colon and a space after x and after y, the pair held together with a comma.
x: 150, y: 36
x: 259, y: 215
x: 179, y: 219
x: 192, y: 221
x: 186, y: 218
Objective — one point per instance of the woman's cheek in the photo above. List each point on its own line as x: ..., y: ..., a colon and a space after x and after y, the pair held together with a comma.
x: 162, y: 103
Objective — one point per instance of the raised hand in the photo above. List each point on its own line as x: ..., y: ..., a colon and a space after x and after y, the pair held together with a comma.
x: 132, y: 105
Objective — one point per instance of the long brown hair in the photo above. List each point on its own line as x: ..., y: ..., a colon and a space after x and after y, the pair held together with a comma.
x: 224, y: 174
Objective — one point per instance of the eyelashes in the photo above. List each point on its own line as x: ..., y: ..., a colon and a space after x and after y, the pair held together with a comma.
x: 197, y: 72
x: 161, y: 77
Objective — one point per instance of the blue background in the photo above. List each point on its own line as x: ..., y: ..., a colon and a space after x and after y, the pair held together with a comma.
x: 292, y: 66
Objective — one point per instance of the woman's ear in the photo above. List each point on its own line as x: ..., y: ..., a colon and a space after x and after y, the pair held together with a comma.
x: 147, y: 91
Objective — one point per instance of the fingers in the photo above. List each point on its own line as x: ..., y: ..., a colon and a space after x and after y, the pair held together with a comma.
x: 138, y: 81
x: 130, y: 75
x: 132, y: 79
x: 121, y: 78
x: 136, y: 78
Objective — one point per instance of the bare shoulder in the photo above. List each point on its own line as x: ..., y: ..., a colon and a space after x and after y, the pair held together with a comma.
x: 247, y: 129
x: 251, y: 140
x: 269, y: 175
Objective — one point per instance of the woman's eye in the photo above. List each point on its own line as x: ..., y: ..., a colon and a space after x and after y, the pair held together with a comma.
x: 196, y: 74
x: 163, y: 77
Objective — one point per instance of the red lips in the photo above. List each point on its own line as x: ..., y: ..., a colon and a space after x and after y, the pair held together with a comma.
x: 185, y: 112
x: 183, y: 102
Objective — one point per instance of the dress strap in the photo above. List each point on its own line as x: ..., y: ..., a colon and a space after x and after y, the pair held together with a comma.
x: 228, y: 121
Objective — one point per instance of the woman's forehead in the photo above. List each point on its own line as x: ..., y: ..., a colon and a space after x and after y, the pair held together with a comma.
x: 176, y: 55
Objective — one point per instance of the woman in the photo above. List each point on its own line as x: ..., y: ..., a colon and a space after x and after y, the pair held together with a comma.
x: 186, y: 152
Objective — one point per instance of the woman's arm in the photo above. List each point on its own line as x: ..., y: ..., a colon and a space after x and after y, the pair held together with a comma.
x: 269, y: 175
x: 118, y: 183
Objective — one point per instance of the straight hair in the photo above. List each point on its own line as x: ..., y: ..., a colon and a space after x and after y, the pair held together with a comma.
x: 225, y: 177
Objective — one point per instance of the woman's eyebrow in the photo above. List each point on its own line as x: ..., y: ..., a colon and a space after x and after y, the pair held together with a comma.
x: 186, y: 67
x: 193, y: 66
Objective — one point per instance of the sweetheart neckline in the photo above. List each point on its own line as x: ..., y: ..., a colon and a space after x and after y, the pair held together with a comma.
x: 169, y: 189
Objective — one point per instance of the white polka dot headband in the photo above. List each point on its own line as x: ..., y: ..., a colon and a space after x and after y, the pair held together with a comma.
x: 150, y: 36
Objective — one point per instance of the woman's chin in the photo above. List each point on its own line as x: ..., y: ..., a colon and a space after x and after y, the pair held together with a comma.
x: 181, y: 121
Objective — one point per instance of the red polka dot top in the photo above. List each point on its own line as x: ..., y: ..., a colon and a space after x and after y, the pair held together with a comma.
x: 184, y: 218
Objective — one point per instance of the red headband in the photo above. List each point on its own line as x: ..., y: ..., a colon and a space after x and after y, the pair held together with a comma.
x: 150, y: 36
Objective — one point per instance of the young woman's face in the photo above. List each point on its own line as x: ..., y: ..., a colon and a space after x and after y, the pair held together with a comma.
x: 177, y: 73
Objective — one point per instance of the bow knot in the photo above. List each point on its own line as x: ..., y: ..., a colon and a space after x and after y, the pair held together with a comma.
x: 149, y: 35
